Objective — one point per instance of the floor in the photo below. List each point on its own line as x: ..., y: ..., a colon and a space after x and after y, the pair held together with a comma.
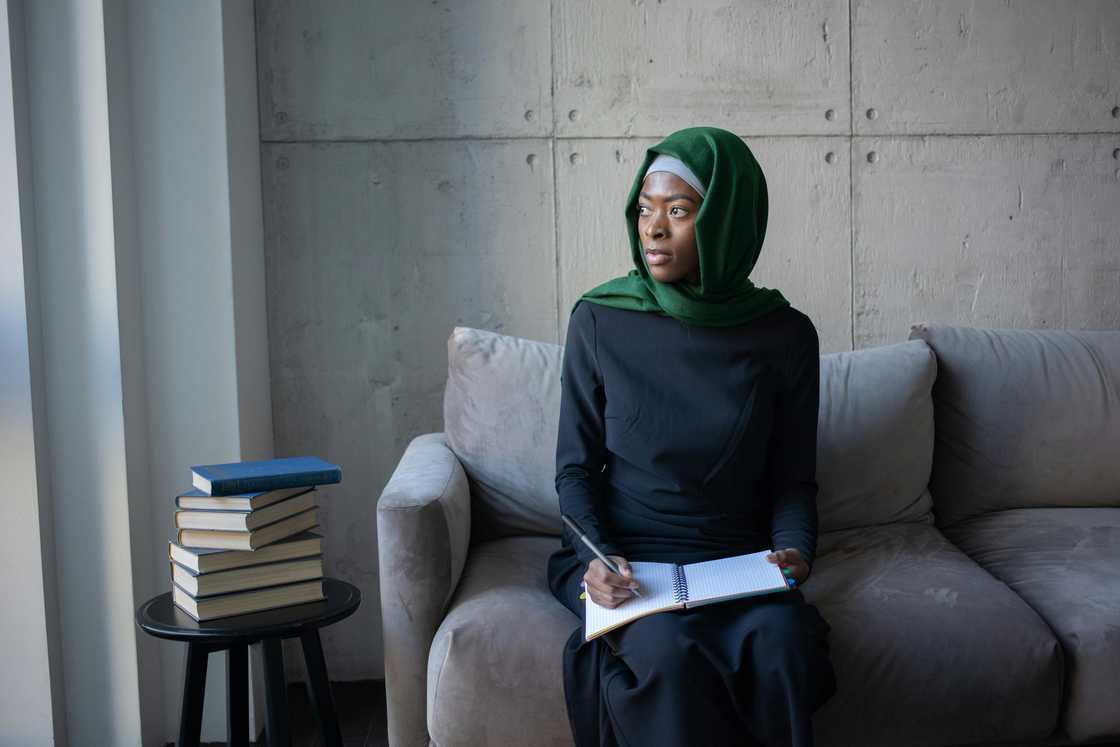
x: 361, y: 715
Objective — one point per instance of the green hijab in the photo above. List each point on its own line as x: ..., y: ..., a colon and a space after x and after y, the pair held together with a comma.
x: 730, y: 226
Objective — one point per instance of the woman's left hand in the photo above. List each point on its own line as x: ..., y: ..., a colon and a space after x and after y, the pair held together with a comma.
x: 791, y: 563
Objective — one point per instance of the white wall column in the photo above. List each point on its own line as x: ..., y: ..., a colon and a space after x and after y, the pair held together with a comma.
x: 140, y: 248
x: 196, y: 155
x: 31, y: 700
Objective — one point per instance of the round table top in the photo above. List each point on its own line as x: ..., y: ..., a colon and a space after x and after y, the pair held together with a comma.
x: 160, y: 617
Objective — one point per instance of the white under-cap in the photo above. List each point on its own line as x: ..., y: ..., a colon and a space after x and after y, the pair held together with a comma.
x: 678, y: 167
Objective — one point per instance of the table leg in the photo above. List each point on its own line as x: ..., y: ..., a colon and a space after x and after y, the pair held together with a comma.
x: 320, y: 689
x: 275, y: 694
x: 194, y: 689
x: 237, y: 696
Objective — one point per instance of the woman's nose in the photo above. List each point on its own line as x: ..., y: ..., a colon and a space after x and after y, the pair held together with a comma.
x: 655, y: 228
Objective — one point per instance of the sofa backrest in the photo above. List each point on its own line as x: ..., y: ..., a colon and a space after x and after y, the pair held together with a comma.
x: 502, y: 406
x: 1025, y: 418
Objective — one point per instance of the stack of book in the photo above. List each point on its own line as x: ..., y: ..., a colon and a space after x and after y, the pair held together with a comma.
x: 244, y: 541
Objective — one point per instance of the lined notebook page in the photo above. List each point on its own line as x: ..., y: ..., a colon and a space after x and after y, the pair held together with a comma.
x: 655, y: 582
x: 726, y: 578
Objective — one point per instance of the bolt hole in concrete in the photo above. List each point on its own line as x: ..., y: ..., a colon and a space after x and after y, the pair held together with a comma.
x: 872, y: 157
x: 1116, y: 153
x: 573, y: 115
x: 1116, y: 112
x: 574, y: 158
x: 829, y: 157
x: 529, y: 115
x: 830, y: 114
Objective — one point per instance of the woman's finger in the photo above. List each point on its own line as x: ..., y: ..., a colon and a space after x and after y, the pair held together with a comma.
x: 616, y: 581
x: 608, y: 590
x: 606, y: 600
x: 625, y: 577
x: 607, y: 596
x: 600, y: 589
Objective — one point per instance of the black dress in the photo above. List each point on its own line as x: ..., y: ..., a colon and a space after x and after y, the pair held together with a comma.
x: 683, y: 443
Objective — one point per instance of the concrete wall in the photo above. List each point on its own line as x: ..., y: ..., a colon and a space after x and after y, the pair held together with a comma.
x: 433, y: 164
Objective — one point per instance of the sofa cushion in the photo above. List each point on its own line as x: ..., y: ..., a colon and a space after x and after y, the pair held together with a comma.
x: 502, y: 405
x: 875, y: 436
x: 929, y: 649
x: 1065, y: 562
x: 494, y: 671
x: 1025, y: 418
x: 501, y: 413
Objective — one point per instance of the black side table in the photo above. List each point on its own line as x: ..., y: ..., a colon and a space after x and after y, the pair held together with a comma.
x: 160, y: 617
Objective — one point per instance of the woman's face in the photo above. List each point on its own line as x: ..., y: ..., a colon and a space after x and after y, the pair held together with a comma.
x: 667, y: 208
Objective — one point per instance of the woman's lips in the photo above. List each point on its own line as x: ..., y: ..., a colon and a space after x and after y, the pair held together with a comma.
x: 655, y: 258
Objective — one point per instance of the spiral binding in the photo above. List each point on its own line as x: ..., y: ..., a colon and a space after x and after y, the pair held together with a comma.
x: 680, y: 584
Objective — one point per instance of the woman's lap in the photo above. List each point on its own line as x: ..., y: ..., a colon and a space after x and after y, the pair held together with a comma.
x: 731, y: 636
x: 779, y: 620
x: 735, y: 670
x: 756, y: 667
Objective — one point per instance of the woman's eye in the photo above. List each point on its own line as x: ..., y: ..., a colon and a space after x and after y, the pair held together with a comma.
x: 681, y: 209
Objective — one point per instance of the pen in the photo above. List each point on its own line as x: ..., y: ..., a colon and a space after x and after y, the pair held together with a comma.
x: 606, y: 561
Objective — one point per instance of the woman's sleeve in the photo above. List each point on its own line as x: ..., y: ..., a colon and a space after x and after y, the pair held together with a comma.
x: 793, y: 452
x: 580, y: 446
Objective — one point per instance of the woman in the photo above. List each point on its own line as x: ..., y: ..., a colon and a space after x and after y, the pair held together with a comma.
x: 688, y: 432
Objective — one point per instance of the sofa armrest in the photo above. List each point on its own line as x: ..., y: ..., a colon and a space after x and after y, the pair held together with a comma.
x: 423, y: 533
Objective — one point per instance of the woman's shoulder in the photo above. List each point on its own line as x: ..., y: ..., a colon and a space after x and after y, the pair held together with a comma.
x: 791, y: 326
x: 582, y: 318
x: 589, y: 312
x: 587, y: 318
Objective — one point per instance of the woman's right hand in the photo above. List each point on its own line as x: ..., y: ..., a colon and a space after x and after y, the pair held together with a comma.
x: 608, y: 589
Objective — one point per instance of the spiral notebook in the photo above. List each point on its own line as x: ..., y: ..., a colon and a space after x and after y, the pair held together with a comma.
x: 670, y: 586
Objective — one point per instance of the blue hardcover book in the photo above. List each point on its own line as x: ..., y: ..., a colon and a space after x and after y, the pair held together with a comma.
x: 265, y: 474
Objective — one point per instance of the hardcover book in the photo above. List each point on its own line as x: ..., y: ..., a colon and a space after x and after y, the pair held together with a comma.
x: 241, y: 521
x: 196, y: 499
x: 200, y: 585
x: 266, y: 474
x: 249, y: 540
x: 207, y: 560
x: 242, y: 602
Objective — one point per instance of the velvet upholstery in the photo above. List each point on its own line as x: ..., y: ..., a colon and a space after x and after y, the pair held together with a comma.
x: 423, y: 533
x: 1025, y: 418
x: 917, y: 623
x: 502, y: 405
x: 1064, y: 563
x: 875, y: 436
x: 929, y: 649
x: 972, y: 599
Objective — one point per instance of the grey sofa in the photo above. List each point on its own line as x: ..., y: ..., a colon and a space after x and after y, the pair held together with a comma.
x: 968, y: 558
